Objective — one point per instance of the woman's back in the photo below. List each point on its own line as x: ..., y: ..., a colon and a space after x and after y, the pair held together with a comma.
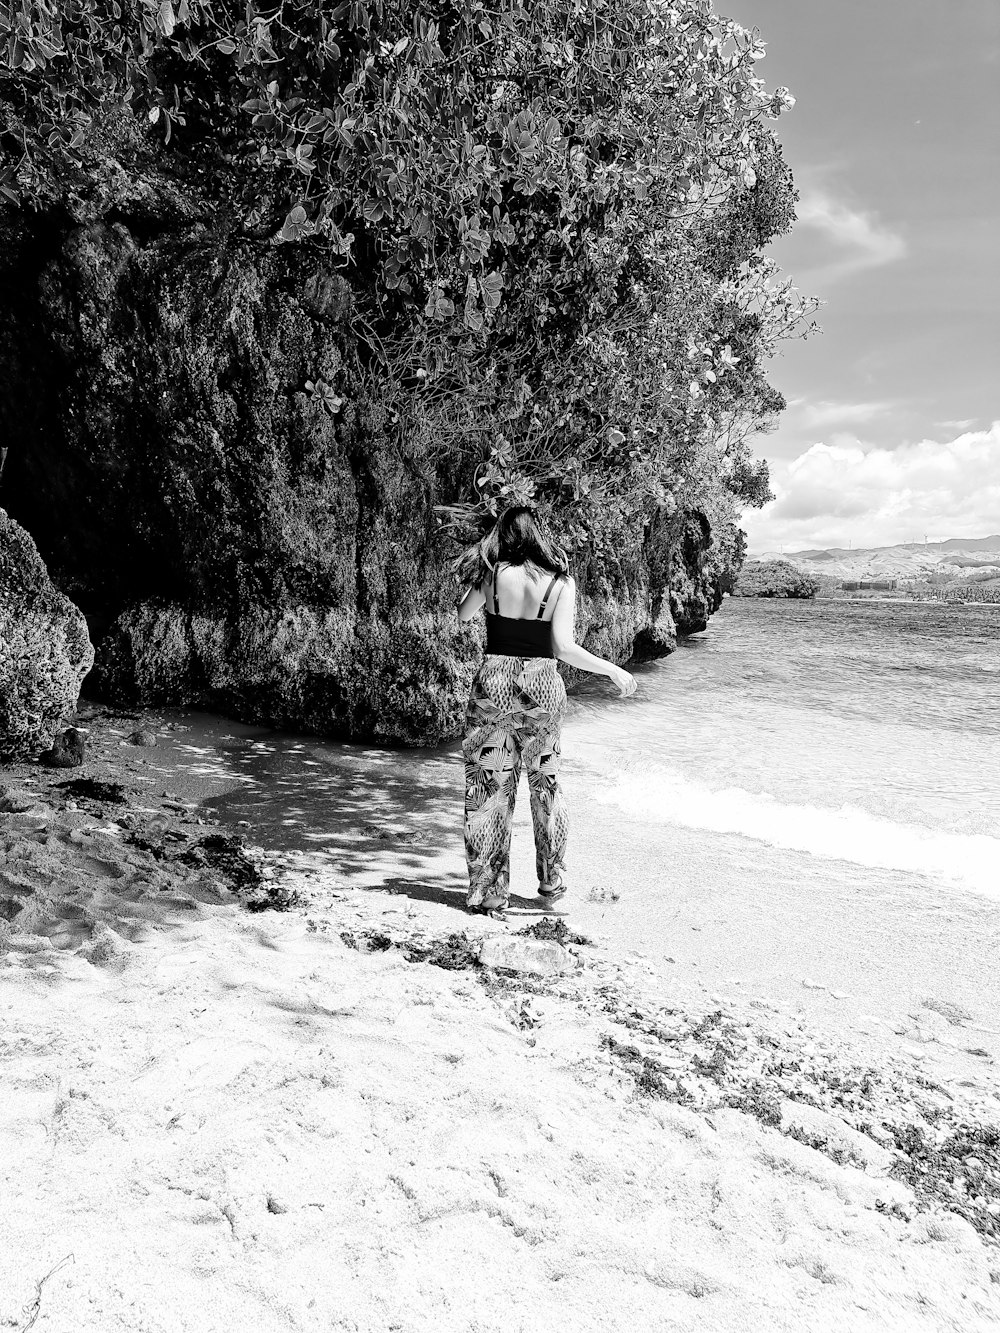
x: 520, y: 591
x: 519, y: 607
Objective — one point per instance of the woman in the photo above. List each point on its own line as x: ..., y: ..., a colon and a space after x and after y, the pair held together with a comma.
x: 517, y: 703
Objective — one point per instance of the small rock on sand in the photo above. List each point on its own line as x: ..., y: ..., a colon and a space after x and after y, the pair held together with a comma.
x: 142, y: 737
x: 542, y: 957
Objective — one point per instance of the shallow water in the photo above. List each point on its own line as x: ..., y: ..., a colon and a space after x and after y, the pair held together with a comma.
x: 861, y: 732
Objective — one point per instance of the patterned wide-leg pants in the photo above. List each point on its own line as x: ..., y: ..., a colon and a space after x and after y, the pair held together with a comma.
x: 514, y: 716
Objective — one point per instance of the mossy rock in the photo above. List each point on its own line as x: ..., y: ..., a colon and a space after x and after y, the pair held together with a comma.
x: 45, y: 650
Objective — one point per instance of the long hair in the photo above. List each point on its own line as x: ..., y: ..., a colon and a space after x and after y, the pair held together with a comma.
x: 517, y: 538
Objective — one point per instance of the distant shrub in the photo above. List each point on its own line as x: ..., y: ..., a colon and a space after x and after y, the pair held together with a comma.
x: 974, y: 590
x: 774, y: 578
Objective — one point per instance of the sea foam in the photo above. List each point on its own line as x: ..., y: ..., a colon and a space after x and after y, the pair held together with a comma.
x: 846, y: 833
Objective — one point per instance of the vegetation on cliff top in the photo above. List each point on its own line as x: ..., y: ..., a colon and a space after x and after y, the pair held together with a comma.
x: 551, y: 215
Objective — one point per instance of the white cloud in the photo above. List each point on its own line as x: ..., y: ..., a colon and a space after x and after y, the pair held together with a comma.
x: 863, y: 241
x: 847, y: 491
x: 963, y: 424
x: 826, y: 413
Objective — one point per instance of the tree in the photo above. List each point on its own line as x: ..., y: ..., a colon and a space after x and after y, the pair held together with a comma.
x: 551, y: 211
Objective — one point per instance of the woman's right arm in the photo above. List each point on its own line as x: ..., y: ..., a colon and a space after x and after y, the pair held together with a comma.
x: 471, y: 604
x: 569, y: 651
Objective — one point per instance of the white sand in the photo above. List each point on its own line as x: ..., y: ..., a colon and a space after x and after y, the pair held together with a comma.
x: 237, y: 1122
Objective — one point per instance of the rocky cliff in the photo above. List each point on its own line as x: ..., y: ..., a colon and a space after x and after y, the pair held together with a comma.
x: 192, y: 451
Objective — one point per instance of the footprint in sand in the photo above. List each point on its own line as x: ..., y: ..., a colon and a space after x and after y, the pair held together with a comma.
x: 110, y: 869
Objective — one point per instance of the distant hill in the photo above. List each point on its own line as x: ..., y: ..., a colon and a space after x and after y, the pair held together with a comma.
x: 958, y: 557
x: 952, y: 544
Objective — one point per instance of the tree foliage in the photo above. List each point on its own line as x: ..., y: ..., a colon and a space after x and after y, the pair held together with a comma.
x: 552, y: 211
x: 774, y: 578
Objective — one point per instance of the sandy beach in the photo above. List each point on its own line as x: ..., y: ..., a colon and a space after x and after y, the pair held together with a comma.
x: 369, y: 373
x: 347, y: 1115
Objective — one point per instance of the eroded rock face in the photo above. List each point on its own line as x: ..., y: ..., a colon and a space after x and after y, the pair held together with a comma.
x: 205, y: 477
x: 207, y: 485
x: 696, y: 572
x: 307, y: 668
x: 179, y: 453
x: 45, y: 650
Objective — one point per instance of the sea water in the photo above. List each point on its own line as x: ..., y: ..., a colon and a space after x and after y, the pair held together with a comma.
x: 858, y: 731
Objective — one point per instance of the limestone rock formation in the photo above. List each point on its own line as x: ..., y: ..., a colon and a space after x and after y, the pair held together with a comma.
x: 45, y: 650
x: 774, y: 578
x: 695, y: 576
x: 309, y: 668
x: 206, y: 477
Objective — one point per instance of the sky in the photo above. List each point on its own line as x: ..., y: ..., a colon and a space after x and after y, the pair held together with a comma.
x: 892, y: 432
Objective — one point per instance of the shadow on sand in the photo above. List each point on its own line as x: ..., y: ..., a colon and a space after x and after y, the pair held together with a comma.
x: 363, y: 818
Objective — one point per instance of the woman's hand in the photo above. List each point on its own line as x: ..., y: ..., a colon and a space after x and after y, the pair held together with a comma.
x: 626, y: 684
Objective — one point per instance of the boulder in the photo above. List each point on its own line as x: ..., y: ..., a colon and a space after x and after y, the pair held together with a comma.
x: 68, y: 749
x: 45, y: 650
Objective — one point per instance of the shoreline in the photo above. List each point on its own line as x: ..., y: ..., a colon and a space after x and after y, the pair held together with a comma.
x: 209, y: 1106
x: 907, y: 601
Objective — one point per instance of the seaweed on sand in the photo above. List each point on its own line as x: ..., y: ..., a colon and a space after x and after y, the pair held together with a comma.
x: 367, y: 941
x: 229, y: 855
x: 651, y: 1079
x: 552, y: 928
x: 962, y: 1172
x: 820, y: 1143
x: 757, y: 1100
x: 715, y: 1061
x: 705, y: 1027
x: 454, y: 952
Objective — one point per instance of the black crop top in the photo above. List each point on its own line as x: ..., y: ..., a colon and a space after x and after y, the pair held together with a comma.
x: 515, y: 636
